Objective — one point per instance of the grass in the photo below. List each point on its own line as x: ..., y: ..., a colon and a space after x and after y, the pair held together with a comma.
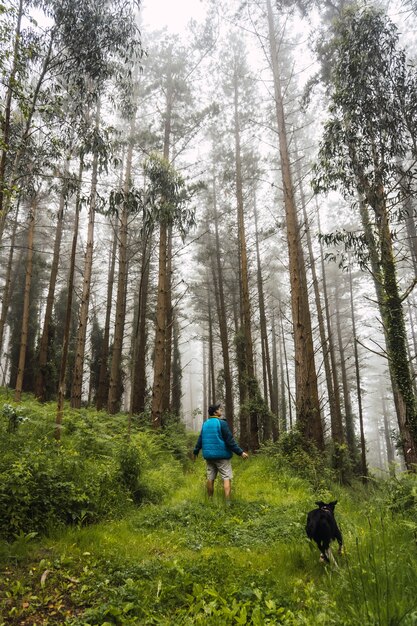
x: 186, y: 560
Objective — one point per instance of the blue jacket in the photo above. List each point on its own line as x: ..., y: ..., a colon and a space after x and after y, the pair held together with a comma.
x: 216, y: 440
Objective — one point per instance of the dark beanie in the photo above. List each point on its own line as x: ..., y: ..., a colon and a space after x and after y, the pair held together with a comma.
x: 213, y: 408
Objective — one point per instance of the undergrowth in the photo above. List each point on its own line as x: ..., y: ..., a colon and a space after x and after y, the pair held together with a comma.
x: 158, y: 552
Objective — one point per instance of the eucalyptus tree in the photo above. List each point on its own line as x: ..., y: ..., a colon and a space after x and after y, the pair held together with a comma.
x: 369, y: 134
x: 238, y: 110
x: 307, y: 397
x: 172, y: 73
x: 165, y: 201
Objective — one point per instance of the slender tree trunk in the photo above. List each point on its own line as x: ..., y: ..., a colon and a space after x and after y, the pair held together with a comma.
x: 116, y: 359
x: 5, y: 200
x: 140, y: 337
x: 212, y: 374
x: 350, y: 431
x: 5, y: 124
x: 284, y: 367
x: 387, y: 434
x: 364, y: 466
x: 334, y: 399
x: 176, y: 371
x: 103, y: 377
x: 68, y: 314
x: 266, y: 360
x: 396, y: 335
x: 205, y: 395
x: 275, y: 384
x: 7, y: 290
x: 166, y: 400
x: 160, y: 332
x: 26, y: 301
x: 222, y: 316
x: 307, y: 396
x: 40, y: 381
x: 249, y: 365
x: 77, y: 382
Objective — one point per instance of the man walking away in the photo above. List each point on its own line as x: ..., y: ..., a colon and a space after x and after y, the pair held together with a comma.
x: 218, y: 446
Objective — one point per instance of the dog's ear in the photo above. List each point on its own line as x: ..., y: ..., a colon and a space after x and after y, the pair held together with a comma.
x: 333, y: 504
x: 320, y: 503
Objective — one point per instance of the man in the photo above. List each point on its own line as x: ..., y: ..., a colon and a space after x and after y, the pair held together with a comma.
x: 218, y: 446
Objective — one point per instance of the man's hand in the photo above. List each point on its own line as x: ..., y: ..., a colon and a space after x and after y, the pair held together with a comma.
x: 245, y: 455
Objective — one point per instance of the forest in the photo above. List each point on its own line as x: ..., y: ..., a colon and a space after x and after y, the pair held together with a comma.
x: 224, y: 213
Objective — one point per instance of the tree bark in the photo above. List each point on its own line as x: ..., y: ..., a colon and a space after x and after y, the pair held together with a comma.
x: 307, y: 396
x: 8, y: 286
x: 68, y: 314
x: 364, y: 466
x: 77, y: 382
x: 26, y: 301
x: 248, y: 362
x: 222, y: 317
x: 103, y: 378
x: 5, y: 125
x: 116, y: 359
x: 160, y: 332
x: 40, y: 381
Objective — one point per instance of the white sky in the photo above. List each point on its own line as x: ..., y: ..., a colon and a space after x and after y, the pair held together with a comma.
x: 175, y: 14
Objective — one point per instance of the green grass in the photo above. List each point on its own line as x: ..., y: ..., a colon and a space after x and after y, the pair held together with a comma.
x: 180, y: 559
x: 188, y: 560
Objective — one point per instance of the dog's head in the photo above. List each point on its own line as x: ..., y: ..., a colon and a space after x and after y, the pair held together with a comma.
x: 327, y: 507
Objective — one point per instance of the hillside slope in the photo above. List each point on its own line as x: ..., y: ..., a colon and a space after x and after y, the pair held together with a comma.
x: 187, y: 560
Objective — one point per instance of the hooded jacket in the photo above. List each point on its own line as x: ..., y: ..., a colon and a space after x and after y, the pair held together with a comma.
x: 216, y: 440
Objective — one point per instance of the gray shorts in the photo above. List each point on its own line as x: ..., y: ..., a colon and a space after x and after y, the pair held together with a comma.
x: 219, y: 466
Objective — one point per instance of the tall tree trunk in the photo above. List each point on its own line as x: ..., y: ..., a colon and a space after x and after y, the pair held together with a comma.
x: 285, y: 368
x: 275, y: 385
x: 68, y: 313
x: 77, y: 382
x: 160, y: 332
x: 166, y: 400
x: 266, y: 360
x: 222, y: 316
x: 5, y: 199
x: 350, y: 431
x: 212, y: 374
x: 42, y: 373
x: 5, y: 123
x: 249, y: 366
x: 387, y: 433
x: 307, y: 396
x: 116, y: 359
x: 7, y: 290
x: 176, y: 371
x: 140, y: 337
x: 334, y: 399
x: 364, y: 466
x: 103, y: 377
x: 396, y: 335
x: 26, y: 301
x: 330, y: 338
x: 374, y: 256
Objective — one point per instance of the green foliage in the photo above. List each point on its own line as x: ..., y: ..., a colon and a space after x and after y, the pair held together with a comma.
x: 293, y: 451
x: 14, y: 417
x: 181, y: 559
x: 166, y: 197
x: 93, y: 474
x: 129, y: 470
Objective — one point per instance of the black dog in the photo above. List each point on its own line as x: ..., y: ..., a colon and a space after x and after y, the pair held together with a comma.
x: 322, y: 528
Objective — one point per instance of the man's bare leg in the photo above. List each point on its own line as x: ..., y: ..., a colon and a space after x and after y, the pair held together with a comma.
x: 210, y: 488
x: 227, y: 486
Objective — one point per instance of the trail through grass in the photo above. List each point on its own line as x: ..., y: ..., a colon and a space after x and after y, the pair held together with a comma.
x: 188, y: 560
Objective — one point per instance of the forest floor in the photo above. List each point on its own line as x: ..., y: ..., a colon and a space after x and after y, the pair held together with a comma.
x: 188, y: 560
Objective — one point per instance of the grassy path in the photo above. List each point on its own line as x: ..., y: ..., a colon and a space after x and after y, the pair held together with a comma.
x: 188, y: 560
